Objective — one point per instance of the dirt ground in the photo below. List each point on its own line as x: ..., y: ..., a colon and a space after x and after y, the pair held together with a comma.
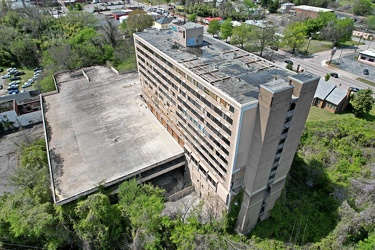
x: 9, y: 153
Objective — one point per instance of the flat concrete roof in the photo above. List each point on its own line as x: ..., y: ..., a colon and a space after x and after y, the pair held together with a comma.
x: 236, y: 72
x: 312, y: 8
x: 100, y: 131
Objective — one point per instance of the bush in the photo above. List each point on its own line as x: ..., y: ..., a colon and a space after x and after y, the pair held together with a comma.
x: 326, y: 78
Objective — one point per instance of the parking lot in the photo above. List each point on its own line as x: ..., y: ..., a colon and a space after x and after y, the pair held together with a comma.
x: 350, y: 64
x: 28, y: 74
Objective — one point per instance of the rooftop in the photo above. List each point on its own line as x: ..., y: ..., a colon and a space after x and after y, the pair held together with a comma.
x: 236, y: 72
x: 7, y: 106
x: 101, y: 132
x: 312, y: 8
x: 164, y: 20
x: 329, y: 92
x: 369, y: 52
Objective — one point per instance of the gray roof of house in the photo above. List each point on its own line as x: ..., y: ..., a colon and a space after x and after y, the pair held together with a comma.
x: 329, y: 92
x: 336, y: 96
x: 323, y: 89
x: 164, y: 20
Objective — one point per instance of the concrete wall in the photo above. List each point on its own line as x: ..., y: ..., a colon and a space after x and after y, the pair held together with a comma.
x: 281, y: 118
x: 187, y: 37
x: 270, y: 119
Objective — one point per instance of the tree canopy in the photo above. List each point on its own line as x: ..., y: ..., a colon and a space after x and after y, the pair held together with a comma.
x: 362, y: 102
x: 226, y: 29
x: 138, y: 20
x: 214, y: 28
x: 362, y: 7
x: 338, y: 31
x: 294, y: 35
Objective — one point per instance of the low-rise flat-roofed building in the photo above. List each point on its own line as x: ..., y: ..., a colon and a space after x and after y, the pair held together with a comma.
x: 238, y: 116
x: 309, y: 11
x: 367, y: 56
x: 100, y: 132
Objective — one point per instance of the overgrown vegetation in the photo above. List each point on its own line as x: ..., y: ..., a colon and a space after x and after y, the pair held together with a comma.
x: 33, y: 38
x: 328, y: 203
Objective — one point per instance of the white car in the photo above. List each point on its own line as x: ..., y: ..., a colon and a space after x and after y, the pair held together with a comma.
x: 25, y: 85
x: 6, y: 76
x: 14, y: 82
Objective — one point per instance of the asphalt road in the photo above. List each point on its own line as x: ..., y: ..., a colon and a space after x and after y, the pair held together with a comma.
x: 343, y: 63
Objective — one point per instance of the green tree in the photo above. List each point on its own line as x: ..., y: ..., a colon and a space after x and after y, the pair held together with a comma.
x: 142, y: 204
x: 362, y: 8
x: 79, y: 7
x: 262, y: 37
x: 273, y: 6
x: 338, y: 31
x: 214, y: 28
x: 193, y: 18
x: 241, y: 34
x: 100, y: 223
x: 362, y: 102
x: 138, y: 20
x: 28, y: 216
x: 370, y: 22
x: 226, y: 29
x: 294, y: 36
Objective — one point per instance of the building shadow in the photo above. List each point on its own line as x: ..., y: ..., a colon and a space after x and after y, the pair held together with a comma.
x: 307, y: 210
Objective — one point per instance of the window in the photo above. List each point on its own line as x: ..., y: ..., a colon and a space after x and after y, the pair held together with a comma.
x: 292, y: 106
x: 285, y: 130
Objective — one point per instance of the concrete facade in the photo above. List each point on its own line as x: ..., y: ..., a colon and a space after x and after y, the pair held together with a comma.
x: 238, y: 116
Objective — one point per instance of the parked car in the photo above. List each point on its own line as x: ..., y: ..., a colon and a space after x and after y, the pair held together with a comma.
x: 6, y: 76
x: 26, y: 85
x: 354, y: 89
x: 12, y: 87
x: 36, y: 69
x: 1, y: 69
x: 1, y: 87
x: 335, y: 75
x: 15, y: 78
x: 12, y: 72
x: 288, y: 62
x: 366, y: 72
x: 14, y: 82
x: 13, y: 92
x: 19, y: 73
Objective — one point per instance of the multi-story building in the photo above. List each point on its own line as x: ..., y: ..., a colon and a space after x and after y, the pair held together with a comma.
x: 239, y: 117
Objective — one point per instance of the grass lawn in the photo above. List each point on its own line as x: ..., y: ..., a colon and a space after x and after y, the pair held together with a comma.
x: 318, y: 46
x: 366, y: 81
x: 320, y: 114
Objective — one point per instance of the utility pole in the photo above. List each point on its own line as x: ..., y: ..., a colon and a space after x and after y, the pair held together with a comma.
x: 360, y: 38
